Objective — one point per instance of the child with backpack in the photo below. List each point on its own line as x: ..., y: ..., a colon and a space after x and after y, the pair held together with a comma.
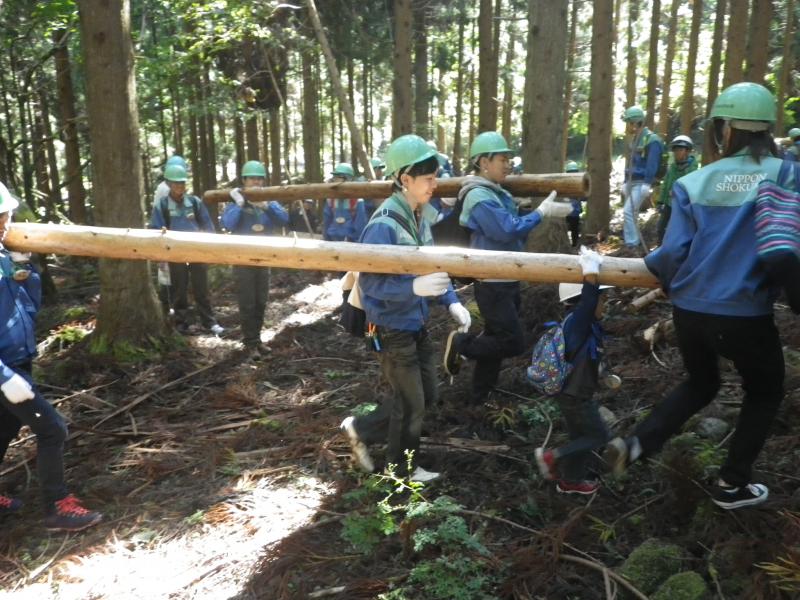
x: 570, y: 464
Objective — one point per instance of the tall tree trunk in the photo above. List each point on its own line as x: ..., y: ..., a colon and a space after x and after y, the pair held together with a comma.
x: 351, y: 97
x: 456, y: 154
x: 311, y: 129
x: 421, y: 94
x: 211, y: 165
x: 758, y: 41
x: 202, y: 135
x: 73, y: 174
x: 487, y: 69
x: 716, y: 55
x: 737, y: 33
x: 630, y: 75
x: 9, y: 155
x: 472, y: 86
x: 50, y: 149
x: 129, y: 311
x: 617, y: 24
x: 652, y: 65
x: 571, y: 51
x: 275, y: 145
x: 42, y: 177
x: 542, y: 119
x: 162, y: 128
x: 508, y: 81
x: 401, y: 83
x: 687, y: 107
x: 225, y: 158
x: 672, y: 30
x: 601, y: 97
x: 177, y: 125
x: 194, y: 150
x: 367, y: 101
x: 251, y: 135
x: 264, y: 147
x: 238, y: 138
x: 786, y: 63
x: 24, y: 133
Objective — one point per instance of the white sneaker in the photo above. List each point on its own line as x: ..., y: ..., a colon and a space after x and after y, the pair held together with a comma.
x: 420, y: 475
x: 216, y: 329
x: 360, y: 452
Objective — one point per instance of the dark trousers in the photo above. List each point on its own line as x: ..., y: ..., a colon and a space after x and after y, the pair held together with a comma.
x: 587, y: 432
x: 574, y: 228
x: 752, y: 343
x: 663, y: 221
x: 50, y: 430
x: 252, y: 292
x: 502, y: 335
x: 407, y: 363
x: 176, y: 295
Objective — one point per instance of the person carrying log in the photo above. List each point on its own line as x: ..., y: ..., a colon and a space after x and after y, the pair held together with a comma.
x: 492, y: 216
x: 252, y: 283
x: 684, y: 163
x: 397, y: 309
x: 571, y: 464
x: 20, y: 400
x: 721, y: 293
x: 180, y: 211
x: 343, y: 220
x: 641, y: 170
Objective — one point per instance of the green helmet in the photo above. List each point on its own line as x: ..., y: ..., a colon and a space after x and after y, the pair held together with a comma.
x: 343, y: 170
x: 746, y: 105
x: 175, y: 173
x: 176, y: 160
x: 405, y: 151
x: 488, y: 142
x: 377, y: 163
x: 571, y: 167
x: 7, y: 201
x: 633, y: 114
x: 794, y: 133
x: 254, y: 168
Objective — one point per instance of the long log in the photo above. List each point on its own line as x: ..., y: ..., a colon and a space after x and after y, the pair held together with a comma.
x: 573, y: 185
x: 298, y: 253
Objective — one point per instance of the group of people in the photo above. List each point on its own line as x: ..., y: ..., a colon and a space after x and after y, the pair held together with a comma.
x: 707, y: 265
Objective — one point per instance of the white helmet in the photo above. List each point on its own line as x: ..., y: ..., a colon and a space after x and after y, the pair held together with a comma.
x: 7, y: 201
x: 682, y: 141
x: 568, y: 291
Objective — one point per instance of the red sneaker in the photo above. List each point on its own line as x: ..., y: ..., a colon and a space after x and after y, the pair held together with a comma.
x: 9, y: 505
x: 68, y: 514
x: 585, y: 488
x: 546, y: 461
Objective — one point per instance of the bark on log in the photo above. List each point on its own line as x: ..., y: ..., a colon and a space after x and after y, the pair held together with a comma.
x: 572, y: 185
x: 176, y: 246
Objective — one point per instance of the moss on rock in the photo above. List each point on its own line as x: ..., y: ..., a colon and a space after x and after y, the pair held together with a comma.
x: 687, y: 585
x: 652, y: 563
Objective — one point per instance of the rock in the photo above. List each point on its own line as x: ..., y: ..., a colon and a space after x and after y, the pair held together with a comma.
x: 609, y: 418
x: 652, y: 563
x: 712, y: 428
x: 687, y: 585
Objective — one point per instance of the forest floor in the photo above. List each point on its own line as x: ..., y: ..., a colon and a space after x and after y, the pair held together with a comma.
x: 228, y: 478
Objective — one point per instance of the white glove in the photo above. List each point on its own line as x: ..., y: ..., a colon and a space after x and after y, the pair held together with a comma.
x: 461, y: 316
x: 434, y: 284
x: 590, y: 261
x: 551, y: 208
x: 646, y: 189
x: 20, y: 256
x: 17, y: 389
x: 237, y: 197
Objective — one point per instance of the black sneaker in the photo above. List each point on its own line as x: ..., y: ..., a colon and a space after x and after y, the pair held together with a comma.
x: 68, y: 514
x: 452, y: 359
x: 729, y: 497
x: 9, y: 505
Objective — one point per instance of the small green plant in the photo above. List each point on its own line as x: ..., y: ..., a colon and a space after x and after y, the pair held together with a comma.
x: 453, y: 578
x: 364, y: 409
x: 69, y: 335
x: 605, y: 531
x: 333, y: 375
x: 502, y: 417
x: 76, y: 313
x: 541, y: 413
x: 195, y: 518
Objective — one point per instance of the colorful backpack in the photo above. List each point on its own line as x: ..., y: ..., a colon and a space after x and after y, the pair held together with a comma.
x: 549, y: 367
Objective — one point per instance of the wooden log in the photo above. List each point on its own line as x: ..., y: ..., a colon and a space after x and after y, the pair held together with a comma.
x: 646, y: 300
x: 296, y: 253
x: 573, y: 185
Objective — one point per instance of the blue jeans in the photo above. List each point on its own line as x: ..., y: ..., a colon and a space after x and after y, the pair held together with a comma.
x: 50, y: 430
x: 407, y: 362
x: 633, y: 202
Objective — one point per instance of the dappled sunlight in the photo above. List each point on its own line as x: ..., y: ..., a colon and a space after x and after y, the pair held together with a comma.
x: 313, y: 303
x: 210, y: 556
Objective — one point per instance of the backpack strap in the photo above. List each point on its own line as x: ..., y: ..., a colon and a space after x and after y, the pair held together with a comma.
x: 403, y: 223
